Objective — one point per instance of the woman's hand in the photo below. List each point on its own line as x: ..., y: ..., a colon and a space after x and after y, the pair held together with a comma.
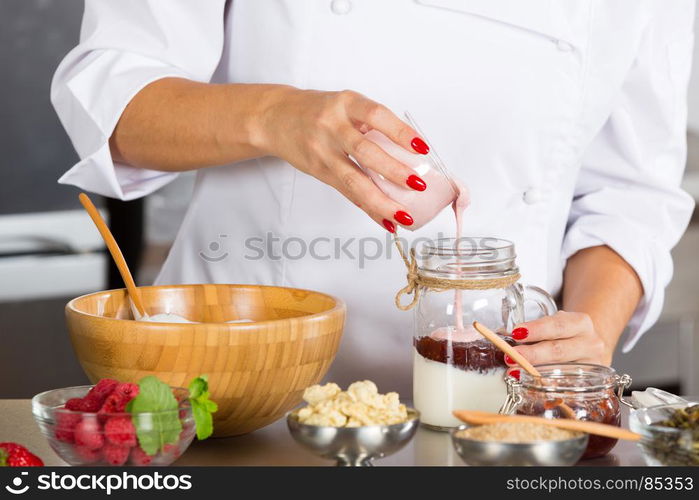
x: 317, y: 132
x: 175, y: 124
x: 563, y: 337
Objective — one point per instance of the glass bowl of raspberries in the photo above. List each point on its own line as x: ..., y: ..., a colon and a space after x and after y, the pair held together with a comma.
x: 117, y: 423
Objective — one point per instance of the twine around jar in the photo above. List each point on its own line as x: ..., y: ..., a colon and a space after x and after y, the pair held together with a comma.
x: 417, y: 280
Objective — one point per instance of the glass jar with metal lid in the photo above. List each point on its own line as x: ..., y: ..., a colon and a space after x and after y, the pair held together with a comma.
x: 593, y: 392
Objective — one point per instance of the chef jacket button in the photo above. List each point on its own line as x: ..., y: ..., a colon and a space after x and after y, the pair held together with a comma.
x: 563, y: 46
x: 341, y: 7
x: 532, y: 195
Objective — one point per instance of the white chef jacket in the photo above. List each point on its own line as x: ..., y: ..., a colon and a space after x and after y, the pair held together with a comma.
x: 565, y: 118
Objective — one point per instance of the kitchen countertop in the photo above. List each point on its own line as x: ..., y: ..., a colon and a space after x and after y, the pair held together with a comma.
x: 273, y: 445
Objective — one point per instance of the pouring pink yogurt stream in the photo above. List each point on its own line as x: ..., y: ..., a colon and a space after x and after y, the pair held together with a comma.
x: 442, y: 190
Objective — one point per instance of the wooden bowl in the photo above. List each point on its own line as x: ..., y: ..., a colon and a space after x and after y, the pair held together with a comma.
x: 257, y: 371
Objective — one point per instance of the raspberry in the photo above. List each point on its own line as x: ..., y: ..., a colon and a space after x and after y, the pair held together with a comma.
x: 90, y: 404
x: 67, y: 420
x: 73, y: 404
x: 116, y: 455
x: 127, y: 391
x: 104, y: 388
x: 101, y: 391
x: 116, y: 402
x: 140, y: 457
x: 87, y: 455
x: 172, y: 449
x: 120, y: 431
x: 113, y: 404
x: 65, y: 436
x: 87, y: 434
x: 106, y: 383
x: 65, y: 426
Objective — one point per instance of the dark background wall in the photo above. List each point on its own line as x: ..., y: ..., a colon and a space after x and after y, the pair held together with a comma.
x: 34, y: 149
x: 35, y: 353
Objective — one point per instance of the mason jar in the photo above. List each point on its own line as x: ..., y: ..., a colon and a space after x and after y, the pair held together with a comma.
x: 457, y: 283
x: 593, y: 392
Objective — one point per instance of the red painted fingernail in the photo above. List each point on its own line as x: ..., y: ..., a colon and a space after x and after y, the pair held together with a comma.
x: 420, y: 146
x: 403, y: 217
x: 416, y: 183
x: 520, y: 333
x: 509, y: 360
x: 514, y: 374
x: 389, y: 226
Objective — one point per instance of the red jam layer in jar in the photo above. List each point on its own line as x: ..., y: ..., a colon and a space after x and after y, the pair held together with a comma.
x: 479, y: 355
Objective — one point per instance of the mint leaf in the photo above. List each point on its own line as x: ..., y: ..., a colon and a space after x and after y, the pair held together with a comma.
x: 202, y: 406
x: 198, y: 386
x: 3, y: 458
x: 163, y: 426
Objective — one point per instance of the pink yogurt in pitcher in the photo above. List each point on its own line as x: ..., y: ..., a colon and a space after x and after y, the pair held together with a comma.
x: 423, y: 206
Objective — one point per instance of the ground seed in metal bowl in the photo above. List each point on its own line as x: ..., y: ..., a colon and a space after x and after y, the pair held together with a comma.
x: 516, y: 432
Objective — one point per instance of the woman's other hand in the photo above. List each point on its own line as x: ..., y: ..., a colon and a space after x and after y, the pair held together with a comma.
x: 599, y: 282
x: 563, y: 337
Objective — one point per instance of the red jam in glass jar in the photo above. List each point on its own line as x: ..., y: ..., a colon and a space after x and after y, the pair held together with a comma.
x: 593, y: 392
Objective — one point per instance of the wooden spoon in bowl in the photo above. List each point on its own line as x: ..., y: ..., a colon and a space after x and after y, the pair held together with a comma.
x: 115, y: 251
x: 481, y: 418
x: 521, y: 360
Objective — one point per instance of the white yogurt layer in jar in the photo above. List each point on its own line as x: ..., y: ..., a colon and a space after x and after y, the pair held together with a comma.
x: 440, y: 387
x: 461, y: 389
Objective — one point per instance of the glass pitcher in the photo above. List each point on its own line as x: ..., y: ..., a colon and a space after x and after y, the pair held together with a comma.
x: 454, y: 367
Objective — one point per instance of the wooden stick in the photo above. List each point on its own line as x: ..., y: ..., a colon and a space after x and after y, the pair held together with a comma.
x: 598, y: 429
x: 514, y: 354
x: 114, y: 249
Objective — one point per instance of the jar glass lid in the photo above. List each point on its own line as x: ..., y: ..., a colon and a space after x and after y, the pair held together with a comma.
x: 469, y: 255
x: 570, y: 377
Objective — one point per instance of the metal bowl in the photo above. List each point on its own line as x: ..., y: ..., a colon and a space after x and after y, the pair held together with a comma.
x: 354, y: 446
x: 541, y: 453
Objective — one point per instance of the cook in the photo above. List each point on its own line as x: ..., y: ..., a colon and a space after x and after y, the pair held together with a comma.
x: 566, y: 120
